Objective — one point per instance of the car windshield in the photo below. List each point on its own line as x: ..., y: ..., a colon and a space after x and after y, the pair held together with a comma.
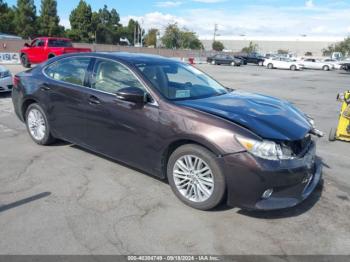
x: 59, y: 43
x: 178, y: 81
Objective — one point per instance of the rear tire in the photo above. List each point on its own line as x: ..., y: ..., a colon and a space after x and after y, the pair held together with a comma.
x: 325, y: 68
x: 25, y: 61
x: 332, y: 134
x: 293, y: 68
x: 185, y: 173
x: 270, y: 66
x: 37, y: 125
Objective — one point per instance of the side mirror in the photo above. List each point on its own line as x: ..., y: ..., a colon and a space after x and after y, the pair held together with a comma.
x: 132, y: 94
x: 26, y: 45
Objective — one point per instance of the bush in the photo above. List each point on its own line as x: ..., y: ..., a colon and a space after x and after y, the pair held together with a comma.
x: 218, y: 46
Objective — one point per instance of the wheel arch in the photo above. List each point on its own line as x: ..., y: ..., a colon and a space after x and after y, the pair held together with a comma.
x: 51, y: 55
x: 26, y: 103
x: 180, y: 142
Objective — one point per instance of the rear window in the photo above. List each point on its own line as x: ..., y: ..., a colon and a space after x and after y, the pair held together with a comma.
x: 70, y: 70
x: 59, y: 43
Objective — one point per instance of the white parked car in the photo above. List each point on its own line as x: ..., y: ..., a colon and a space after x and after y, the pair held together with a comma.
x: 334, y: 62
x: 283, y: 63
x: 5, y: 80
x: 311, y: 63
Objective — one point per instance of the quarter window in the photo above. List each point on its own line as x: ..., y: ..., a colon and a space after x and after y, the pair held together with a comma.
x: 69, y: 70
x: 111, y: 76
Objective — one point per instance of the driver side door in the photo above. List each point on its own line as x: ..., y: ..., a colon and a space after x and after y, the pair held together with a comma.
x: 120, y: 129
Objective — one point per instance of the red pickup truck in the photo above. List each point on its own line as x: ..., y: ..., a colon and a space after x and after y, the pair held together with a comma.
x: 44, y: 48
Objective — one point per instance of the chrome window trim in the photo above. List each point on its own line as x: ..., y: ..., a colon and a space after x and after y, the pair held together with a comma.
x: 153, y: 103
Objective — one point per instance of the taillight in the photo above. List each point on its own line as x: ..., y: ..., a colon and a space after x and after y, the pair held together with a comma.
x: 16, y: 81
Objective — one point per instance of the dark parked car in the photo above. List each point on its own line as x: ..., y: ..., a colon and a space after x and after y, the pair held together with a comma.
x: 175, y: 122
x: 243, y: 60
x: 254, y: 58
x: 223, y: 59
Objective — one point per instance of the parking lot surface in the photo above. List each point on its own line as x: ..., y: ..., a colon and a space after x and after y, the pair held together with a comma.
x: 62, y: 199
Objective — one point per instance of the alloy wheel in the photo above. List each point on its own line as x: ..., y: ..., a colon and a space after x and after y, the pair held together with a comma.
x: 193, y: 178
x: 36, y: 124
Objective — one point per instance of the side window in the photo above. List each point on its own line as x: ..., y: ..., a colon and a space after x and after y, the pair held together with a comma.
x: 69, y: 70
x: 34, y: 43
x: 111, y: 76
x: 40, y: 43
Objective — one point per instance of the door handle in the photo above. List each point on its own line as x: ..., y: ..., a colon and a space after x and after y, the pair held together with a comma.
x: 45, y: 87
x: 94, y: 100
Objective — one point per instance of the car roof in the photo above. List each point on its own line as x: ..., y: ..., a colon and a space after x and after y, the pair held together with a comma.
x: 50, y: 38
x: 133, y: 58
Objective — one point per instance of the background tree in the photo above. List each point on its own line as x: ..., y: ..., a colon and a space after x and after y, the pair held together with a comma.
x: 175, y: 38
x: 25, y: 18
x: 7, y: 15
x: 189, y: 40
x: 48, y: 20
x: 251, y: 48
x: 132, y: 30
x: 342, y: 47
x: 105, y: 25
x: 171, y: 37
x: 81, y: 23
x: 151, y: 37
x: 218, y: 46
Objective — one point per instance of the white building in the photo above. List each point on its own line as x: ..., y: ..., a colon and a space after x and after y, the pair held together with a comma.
x: 298, y: 45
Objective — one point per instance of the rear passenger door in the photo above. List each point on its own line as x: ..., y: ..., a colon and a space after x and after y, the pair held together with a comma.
x: 66, y: 87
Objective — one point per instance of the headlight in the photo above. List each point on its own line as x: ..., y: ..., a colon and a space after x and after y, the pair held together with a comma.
x: 264, y: 149
x: 5, y: 74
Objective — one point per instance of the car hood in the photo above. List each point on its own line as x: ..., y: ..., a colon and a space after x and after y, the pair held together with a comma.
x: 268, y: 117
x: 3, y: 69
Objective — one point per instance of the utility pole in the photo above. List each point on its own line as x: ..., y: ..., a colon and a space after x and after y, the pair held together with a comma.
x: 216, y: 29
x: 134, y: 35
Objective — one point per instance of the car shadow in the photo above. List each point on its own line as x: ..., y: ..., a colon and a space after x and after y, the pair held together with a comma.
x: 24, y: 201
x: 164, y: 180
x: 5, y: 94
x: 301, y: 208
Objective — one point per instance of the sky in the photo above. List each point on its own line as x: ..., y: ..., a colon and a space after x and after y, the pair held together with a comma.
x: 265, y: 18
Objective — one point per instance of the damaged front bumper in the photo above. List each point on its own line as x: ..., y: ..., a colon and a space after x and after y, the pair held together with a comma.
x: 291, y: 181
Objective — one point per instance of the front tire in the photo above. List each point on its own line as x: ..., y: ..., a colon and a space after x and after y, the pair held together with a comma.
x: 25, y: 61
x: 293, y: 68
x: 270, y: 66
x: 195, y: 177
x: 332, y: 135
x: 37, y: 125
x: 325, y: 68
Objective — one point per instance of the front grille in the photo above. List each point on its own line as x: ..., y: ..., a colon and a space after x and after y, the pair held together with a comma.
x: 298, y: 147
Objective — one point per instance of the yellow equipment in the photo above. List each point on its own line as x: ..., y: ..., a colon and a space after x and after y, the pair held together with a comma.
x: 342, y: 132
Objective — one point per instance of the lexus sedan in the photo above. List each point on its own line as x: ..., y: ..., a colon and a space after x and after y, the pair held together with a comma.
x: 173, y: 121
x: 5, y: 80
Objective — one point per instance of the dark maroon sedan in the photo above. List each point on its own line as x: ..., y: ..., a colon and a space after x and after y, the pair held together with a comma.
x: 175, y: 122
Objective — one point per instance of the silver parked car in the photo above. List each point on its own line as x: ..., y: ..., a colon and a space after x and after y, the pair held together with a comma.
x: 5, y: 79
x: 311, y: 63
